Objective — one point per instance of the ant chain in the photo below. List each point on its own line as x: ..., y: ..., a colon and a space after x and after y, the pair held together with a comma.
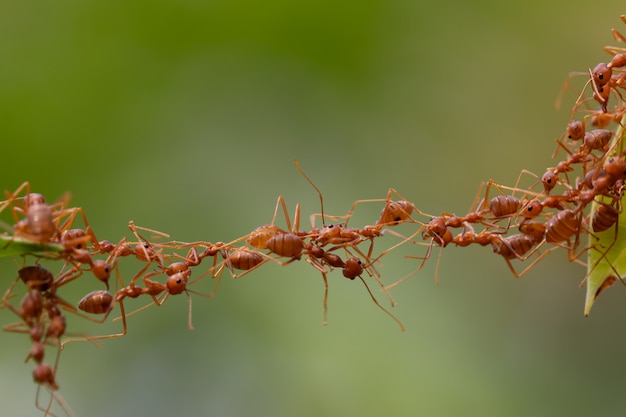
x: 523, y: 223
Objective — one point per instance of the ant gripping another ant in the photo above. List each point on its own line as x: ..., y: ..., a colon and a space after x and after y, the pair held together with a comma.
x: 102, y: 302
x: 42, y: 319
x: 520, y: 223
x: 286, y: 246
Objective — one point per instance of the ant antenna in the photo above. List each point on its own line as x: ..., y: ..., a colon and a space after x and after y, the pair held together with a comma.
x: 314, y: 186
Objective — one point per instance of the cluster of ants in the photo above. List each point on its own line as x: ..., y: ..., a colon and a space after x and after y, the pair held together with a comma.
x: 518, y: 223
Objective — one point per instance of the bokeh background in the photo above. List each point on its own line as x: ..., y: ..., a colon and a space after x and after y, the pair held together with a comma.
x: 186, y: 116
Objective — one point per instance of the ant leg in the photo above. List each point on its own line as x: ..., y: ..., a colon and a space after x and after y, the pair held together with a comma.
x: 381, y: 307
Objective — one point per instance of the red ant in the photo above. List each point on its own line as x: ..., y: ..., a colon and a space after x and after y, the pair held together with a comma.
x: 393, y: 213
x: 486, y: 212
x: 500, y: 207
x: 41, y: 221
x: 43, y: 328
x: 344, y: 237
x: 103, y: 302
x: 354, y: 268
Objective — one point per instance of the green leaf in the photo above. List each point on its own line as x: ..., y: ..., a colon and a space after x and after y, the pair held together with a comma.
x: 604, y: 268
x: 606, y: 258
x: 12, y: 246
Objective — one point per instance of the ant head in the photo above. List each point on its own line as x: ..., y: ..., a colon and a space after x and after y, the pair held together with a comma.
x: 601, y: 74
x: 438, y: 230
x: 177, y: 283
x: 331, y: 230
x: 353, y: 268
x: 144, y: 252
x: 576, y: 130
x: 615, y: 166
x: 435, y: 229
x: 549, y: 180
x: 532, y: 209
x: 34, y: 199
x: 102, y: 271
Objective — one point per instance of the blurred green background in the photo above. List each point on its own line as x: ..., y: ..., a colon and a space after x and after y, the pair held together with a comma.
x: 186, y: 116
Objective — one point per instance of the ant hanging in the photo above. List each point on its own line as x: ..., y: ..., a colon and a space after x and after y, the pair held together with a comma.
x: 43, y: 328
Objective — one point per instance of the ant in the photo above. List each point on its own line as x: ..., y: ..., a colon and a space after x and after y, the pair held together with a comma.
x: 40, y: 221
x: 603, y: 216
x: 354, y: 268
x: 484, y: 211
x: 502, y: 206
x: 606, y: 215
x: 43, y: 321
x: 103, y: 302
x: 393, y: 213
x: 344, y: 237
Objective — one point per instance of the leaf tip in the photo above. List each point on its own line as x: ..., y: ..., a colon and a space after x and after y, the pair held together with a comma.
x: 593, y: 294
